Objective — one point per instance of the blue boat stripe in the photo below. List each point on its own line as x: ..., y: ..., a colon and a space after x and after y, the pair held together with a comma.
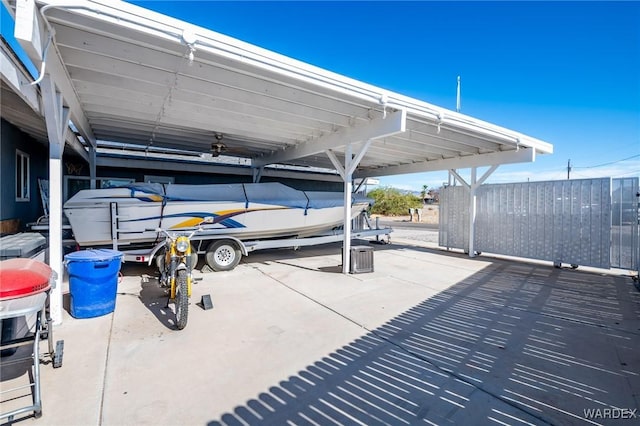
x: 228, y: 223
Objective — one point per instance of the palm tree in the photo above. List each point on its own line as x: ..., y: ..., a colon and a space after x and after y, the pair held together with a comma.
x: 423, y: 193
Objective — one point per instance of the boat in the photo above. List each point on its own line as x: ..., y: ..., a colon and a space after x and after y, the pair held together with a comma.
x: 250, y: 211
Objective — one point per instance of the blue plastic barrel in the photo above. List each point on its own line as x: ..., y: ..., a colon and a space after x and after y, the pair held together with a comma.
x: 93, y: 281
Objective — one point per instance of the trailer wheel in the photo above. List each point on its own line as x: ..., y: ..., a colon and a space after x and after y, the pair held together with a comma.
x: 194, y: 257
x: 160, y: 260
x: 223, y: 255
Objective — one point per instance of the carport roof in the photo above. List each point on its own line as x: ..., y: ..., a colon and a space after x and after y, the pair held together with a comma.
x: 20, y: 101
x: 131, y: 75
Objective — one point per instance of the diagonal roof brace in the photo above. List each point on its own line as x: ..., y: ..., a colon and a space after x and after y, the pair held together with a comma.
x: 478, y: 182
x: 375, y: 129
x: 348, y: 169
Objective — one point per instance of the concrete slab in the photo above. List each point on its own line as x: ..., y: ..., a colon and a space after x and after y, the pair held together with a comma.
x: 257, y: 333
x: 73, y: 393
x: 430, y: 337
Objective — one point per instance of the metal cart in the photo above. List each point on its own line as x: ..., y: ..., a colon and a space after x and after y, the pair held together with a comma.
x: 25, y: 295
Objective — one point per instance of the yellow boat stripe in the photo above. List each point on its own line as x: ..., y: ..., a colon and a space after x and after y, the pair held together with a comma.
x: 223, y: 212
x: 189, y: 223
x: 195, y: 221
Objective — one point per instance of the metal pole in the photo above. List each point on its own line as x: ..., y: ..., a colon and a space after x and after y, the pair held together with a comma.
x: 636, y: 246
x: 346, y: 245
x: 92, y: 167
x: 458, y: 96
x: 57, y: 120
x: 55, y: 229
x: 472, y: 211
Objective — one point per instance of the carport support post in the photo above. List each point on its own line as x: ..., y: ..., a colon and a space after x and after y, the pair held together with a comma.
x: 57, y: 121
x: 473, y: 201
x: 257, y: 174
x: 346, y: 172
x: 92, y: 166
x: 472, y: 211
x: 348, y: 176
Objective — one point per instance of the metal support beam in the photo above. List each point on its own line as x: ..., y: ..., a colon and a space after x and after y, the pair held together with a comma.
x: 57, y: 121
x: 358, y: 157
x: 74, y: 143
x: 522, y: 155
x: 346, y: 244
x: 257, y: 174
x: 472, y: 210
x: 360, y: 185
x: 472, y: 186
x: 479, y: 182
x: 375, y: 129
x: 459, y: 178
x: 486, y: 174
x: 92, y: 166
x: 394, y: 123
x: 346, y: 172
x: 336, y: 163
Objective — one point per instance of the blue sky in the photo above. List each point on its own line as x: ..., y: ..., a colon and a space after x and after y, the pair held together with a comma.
x: 566, y: 73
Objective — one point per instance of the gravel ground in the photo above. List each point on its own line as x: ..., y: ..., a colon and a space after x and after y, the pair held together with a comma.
x: 411, y: 231
x: 425, y: 235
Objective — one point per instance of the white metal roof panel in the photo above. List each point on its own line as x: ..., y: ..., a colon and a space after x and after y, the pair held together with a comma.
x: 131, y: 75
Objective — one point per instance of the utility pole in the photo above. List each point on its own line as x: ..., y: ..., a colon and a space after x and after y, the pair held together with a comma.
x: 568, y: 168
x: 458, y: 96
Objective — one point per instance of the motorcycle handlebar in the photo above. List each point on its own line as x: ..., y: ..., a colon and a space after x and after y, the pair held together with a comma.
x: 164, y: 231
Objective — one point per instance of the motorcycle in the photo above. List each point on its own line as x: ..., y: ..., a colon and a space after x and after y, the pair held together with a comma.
x: 175, y: 266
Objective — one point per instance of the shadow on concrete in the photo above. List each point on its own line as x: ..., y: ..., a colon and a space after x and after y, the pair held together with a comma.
x: 329, y: 269
x: 282, y: 254
x: 278, y: 255
x: 513, y: 344
x: 155, y: 299
x: 151, y: 295
x: 66, y: 302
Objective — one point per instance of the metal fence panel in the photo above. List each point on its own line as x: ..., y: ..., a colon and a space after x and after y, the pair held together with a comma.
x: 560, y: 221
x: 557, y: 221
x: 624, y: 224
x: 454, y: 218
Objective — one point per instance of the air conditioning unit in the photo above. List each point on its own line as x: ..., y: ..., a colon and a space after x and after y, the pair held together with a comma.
x: 361, y: 260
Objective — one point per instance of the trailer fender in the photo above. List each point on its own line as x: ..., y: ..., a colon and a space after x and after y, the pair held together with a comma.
x: 239, y: 243
x: 155, y: 251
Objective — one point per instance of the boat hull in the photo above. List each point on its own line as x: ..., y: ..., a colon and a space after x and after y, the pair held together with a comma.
x: 255, y: 213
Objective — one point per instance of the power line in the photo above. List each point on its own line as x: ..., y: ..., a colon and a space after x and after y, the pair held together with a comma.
x: 608, y: 164
x: 629, y: 173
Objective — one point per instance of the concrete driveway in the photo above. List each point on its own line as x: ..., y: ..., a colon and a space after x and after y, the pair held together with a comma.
x: 429, y: 337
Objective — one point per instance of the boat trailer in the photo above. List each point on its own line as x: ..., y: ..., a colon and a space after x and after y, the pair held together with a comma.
x: 224, y: 252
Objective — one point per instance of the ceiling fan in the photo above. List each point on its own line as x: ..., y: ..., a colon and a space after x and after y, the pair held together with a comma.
x: 220, y: 148
x: 217, y: 147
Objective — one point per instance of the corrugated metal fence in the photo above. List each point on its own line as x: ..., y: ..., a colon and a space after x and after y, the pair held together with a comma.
x: 454, y: 218
x: 624, y: 224
x: 567, y: 221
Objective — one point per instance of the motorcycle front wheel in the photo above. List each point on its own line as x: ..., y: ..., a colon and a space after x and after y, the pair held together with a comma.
x: 182, y: 299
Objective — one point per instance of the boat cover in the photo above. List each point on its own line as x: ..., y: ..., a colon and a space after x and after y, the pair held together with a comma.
x: 272, y: 193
